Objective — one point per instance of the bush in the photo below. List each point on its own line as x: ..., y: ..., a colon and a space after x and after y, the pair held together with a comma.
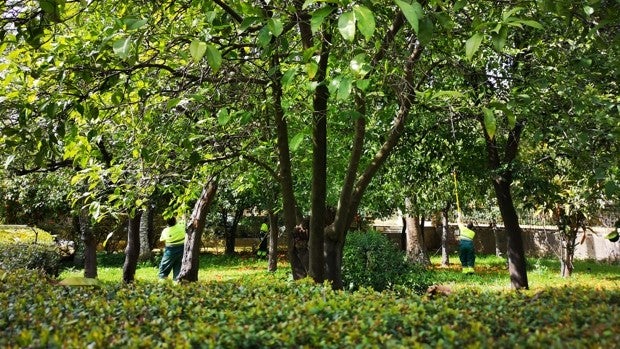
x: 370, y: 259
x: 45, y: 258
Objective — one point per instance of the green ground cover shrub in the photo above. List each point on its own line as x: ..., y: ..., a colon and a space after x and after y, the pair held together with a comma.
x: 30, y: 256
x: 370, y: 259
x: 269, y: 310
x: 29, y: 248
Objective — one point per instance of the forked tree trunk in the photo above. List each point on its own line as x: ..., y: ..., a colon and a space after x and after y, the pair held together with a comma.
x: 132, y: 250
x: 501, y: 184
x: 193, y: 231
x: 272, y: 264
x: 90, y: 245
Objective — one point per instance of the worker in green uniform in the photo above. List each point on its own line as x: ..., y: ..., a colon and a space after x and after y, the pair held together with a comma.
x: 174, y: 237
x: 467, y: 253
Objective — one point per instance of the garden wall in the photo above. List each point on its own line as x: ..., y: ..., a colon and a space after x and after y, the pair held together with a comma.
x: 538, y: 241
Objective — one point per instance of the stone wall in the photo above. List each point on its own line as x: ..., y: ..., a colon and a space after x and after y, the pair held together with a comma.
x: 538, y: 241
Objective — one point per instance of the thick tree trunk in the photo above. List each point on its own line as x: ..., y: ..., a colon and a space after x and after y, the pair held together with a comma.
x: 146, y: 231
x: 90, y: 245
x: 416, y: 251
x: 333, y: 262
x: 514, y: 240
x: 193, y: 231
x: 445, y: 237
x: 132, y: 250
x: 272, y: 264
x: 501, y: 184
x: 316, y: 243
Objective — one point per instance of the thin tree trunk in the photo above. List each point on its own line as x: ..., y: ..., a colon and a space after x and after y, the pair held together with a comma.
x: 193, y: 231
x: 272, y: 264
x: 445, y: 236
x: 90, y: 245
x: 132, y: 250
x: 289, y: 204
x: 146, y: 228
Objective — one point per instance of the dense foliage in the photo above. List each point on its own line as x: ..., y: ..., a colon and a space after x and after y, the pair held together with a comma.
x: 370, y: 259
x: 243, y: 314
x: 45, y: 258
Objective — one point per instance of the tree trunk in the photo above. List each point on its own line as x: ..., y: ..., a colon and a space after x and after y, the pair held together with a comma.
x: 333, y: 262
x: 445, y: 237
x: 231, y: 233
x: 90, y: 245
x: 316, y: 243
x: 501, y: 184
x: 132, y: 250
x: 416, y: 251
x: 193, y: 231
x: 496, y: 236
x: 146, y: 229
x: 403, y: 234
x: 272, y: 264
x: 289, y: 204
x: 514, y: 240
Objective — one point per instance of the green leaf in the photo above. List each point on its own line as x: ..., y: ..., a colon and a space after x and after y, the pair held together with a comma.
x: 499, y: 38
x: 344, y: 88
x: 197, y: 49
x: 426, y: 31
x: 413, y: 13
x: 459, y: 5
x: 122, y: 47
x: 472, y: 45
x: 365, y: 21
x: 296, y: 141
x: 312, y: 68
x: 214, y: 57
x: 362, y: 84
x: 490, y: 123
x: 346, y: 25
x: 264, y: 37
x: 318, y: 17
x: 359, y: 64
x: 223, y: 117
x: 531, y: 23
x: 288, y: 77
x: 275, y: 26
x: 512, y: 119
x: 134, y: 23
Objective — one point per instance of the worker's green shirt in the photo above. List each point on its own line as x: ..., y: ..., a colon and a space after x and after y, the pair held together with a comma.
x: 466, y: 232
x: 174, y: 235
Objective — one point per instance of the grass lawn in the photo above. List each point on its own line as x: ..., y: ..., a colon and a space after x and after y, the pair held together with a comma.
x: 491, y: 271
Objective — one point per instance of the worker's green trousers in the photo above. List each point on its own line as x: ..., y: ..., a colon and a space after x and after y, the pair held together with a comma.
x: 467, y: 255
x: 171, y: 261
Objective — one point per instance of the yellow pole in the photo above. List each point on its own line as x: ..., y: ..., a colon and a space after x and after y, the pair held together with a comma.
x: 456, y: 192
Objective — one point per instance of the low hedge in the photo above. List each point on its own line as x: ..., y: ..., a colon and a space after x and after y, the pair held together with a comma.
x: 271, y: 311
x: 45, y: 258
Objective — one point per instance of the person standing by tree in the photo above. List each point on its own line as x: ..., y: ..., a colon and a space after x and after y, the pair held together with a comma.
x: 174, y: 237
x: 467, y: 253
